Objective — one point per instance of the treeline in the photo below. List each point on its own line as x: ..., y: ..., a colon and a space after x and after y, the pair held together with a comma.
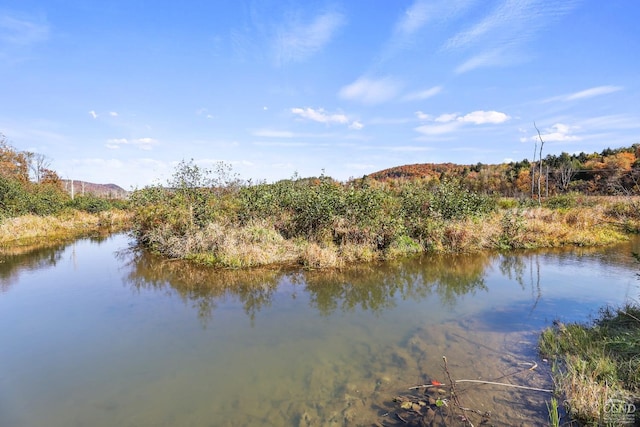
x: 611, y: 172
x: 28, y: 186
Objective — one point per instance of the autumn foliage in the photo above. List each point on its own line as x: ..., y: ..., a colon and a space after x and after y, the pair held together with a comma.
x: 611, y: 172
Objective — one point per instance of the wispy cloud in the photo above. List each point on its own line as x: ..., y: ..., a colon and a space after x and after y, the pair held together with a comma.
x: 420, y: 15
x: 321, y: 116
x: 450, y: 122
x: 18, y: 34
x: 594, y: 91
x: 423, y: 94
x: 297, y: 41
x: 371, y: 91
x: 586, y: 93
x: 610, y: 122
x: 141, y: 143
x: 416, y: 16
x: 21, y: 32
x: 93, y: 114
x: 438, y: 129
x: 500, y: 34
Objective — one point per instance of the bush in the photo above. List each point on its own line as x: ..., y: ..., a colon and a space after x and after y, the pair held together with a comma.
x: 450, y: 200
x: 564, y: 201
x: 90, y: 203
x: 21, y: 198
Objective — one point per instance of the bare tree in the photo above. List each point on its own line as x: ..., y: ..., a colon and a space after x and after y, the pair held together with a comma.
x: 540, y: 159
x: 38, y: 164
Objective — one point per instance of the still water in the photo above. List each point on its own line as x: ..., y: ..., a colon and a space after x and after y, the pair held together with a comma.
x: 94, y: 334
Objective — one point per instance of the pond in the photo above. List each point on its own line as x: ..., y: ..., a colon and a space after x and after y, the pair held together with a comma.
x: 96, y: 334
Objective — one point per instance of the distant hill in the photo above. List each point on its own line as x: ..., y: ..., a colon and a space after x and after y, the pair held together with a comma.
x: 101, y: 190
x: 421, y: 170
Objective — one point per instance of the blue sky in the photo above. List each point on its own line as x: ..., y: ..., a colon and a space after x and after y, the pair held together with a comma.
x: 120, y: 91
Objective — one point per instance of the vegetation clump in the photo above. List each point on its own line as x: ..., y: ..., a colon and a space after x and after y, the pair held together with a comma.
x: 213, y: 218
x: 596, y: 367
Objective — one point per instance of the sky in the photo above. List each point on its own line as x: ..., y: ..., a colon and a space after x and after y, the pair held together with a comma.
x: 121, y: 91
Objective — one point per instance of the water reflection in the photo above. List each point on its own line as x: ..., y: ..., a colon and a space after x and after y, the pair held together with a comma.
x: 376, y: 288
x: 15, y: 260
x: 372, y: 288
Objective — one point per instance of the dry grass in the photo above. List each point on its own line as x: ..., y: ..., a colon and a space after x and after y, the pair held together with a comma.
x: 30, y: 230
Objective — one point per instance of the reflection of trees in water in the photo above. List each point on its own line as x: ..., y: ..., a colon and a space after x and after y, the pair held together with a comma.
x: 205, y: 287
x: 16, y: 260
x: 515, y: 268
x: 524, y: 267
x: 376, y: 287
x: 45, y: 254
x: 371, y: 287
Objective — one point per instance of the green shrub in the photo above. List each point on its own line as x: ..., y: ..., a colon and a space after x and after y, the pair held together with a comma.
x: 563, y: 201
x: 21, y: 198
x: 450, y: 200
x: 90, y: 203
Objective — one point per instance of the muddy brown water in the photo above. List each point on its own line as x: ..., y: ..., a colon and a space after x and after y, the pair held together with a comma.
x: 93, y: 334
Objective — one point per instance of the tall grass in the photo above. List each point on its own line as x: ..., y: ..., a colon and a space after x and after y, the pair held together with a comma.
x: 597, y: 365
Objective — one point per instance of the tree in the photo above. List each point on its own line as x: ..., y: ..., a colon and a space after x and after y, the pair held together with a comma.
x: 540, y: 158
x: 38, y: 165
x: 565, y: 170
x: 13, y: 164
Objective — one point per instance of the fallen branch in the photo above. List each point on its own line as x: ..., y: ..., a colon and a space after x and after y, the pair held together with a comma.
x: 482, y: 382
x: 506, y: 385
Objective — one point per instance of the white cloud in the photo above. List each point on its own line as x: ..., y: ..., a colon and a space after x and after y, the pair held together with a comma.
x: 297, y: 41
x: 113, y: 114
x: 93, y: 114
x: 115, y: 143
x: 422, y: 116
x: 445, y: 118
x: 594, y: 91
x: 356, y: 125
x: 482, y: 117
x: 450, y: 122
x: 320, y: 115
x: 424, y: 94
x: 557, y: 132
x: 370, y: 91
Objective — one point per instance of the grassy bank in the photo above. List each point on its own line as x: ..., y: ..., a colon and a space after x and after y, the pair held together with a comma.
x: 597, y: 367
x: 319, y: 223
x: 34, y: 230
